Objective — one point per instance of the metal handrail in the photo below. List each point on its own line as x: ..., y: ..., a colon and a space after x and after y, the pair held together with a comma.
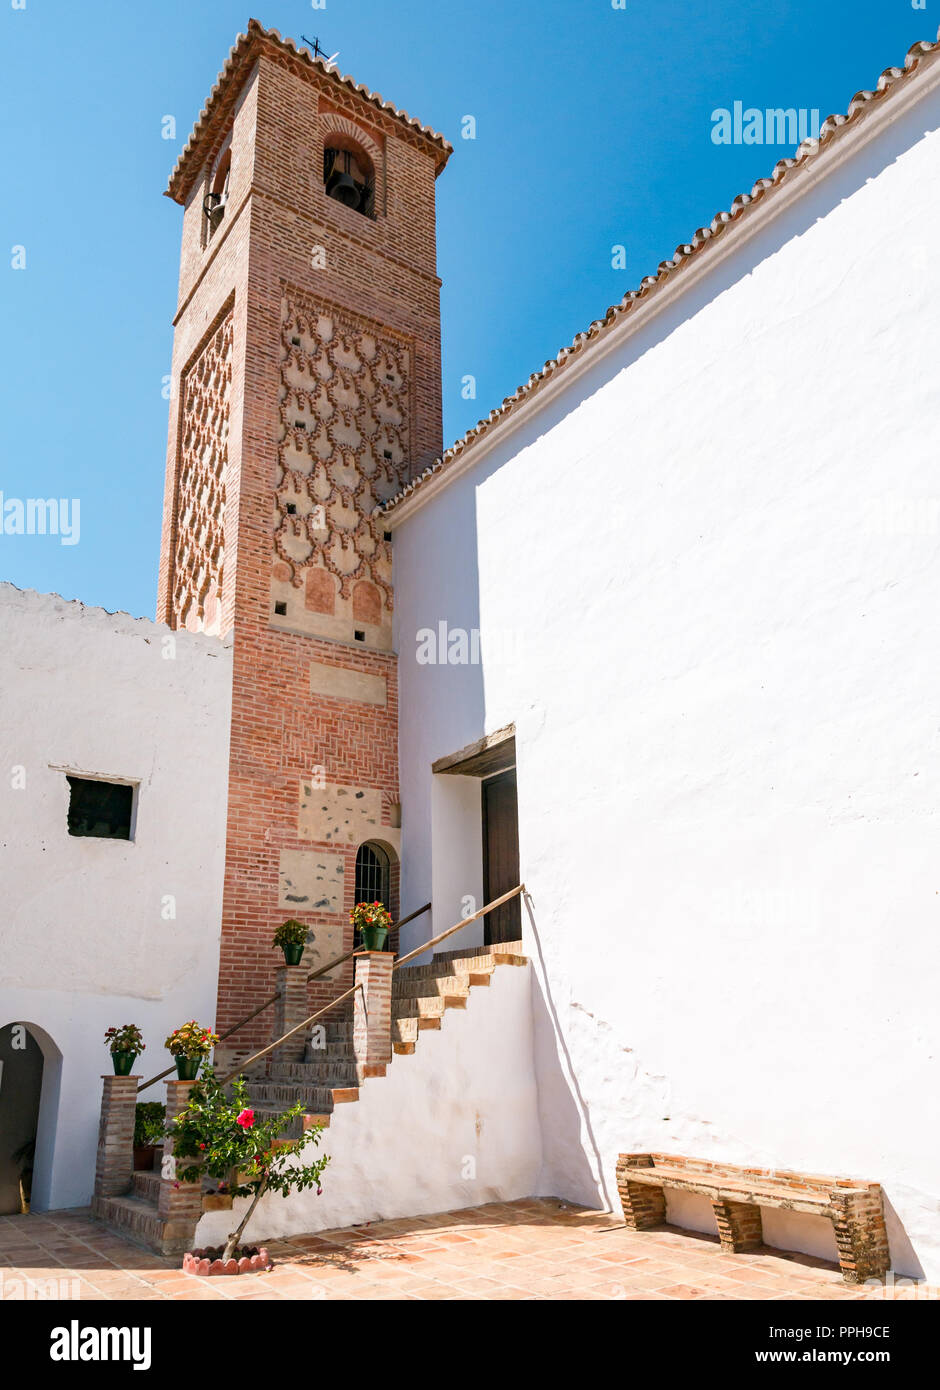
x: 464, y: 921
x: 314, y: 975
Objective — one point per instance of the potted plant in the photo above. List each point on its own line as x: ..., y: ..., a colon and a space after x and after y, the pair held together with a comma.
x: 291, y: 936
x: 189, y: 1046
x: 223, y: 1139
x: 124, y: 1044
x: 372, y: 921
x: 149, y: 1119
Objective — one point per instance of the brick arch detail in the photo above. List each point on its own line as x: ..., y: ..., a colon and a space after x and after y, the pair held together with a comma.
x: 332, y: 123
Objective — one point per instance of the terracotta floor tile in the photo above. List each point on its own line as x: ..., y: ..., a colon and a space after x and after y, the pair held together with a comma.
x: 538, y: 1249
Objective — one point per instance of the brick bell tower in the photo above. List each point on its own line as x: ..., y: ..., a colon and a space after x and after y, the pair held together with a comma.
x: 306, y: 389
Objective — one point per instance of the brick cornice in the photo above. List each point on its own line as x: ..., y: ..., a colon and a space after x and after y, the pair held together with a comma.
x: 344, y: 94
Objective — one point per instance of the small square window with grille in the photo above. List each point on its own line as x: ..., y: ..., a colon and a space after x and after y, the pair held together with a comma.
x: 280, y: 610
x: 359, y: 636
x: 103, y: 810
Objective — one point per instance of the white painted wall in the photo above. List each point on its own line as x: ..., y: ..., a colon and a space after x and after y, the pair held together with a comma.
x: 84, y: 937
x: 720, y: 551
x: 454, y: 1125
x: 457, y: 860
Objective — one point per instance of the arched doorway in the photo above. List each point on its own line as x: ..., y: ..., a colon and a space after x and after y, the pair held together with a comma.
x: 21, y: 1076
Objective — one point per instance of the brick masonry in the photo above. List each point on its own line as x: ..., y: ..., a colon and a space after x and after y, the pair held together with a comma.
x: 287, y: 262
x: 372, y: 1009
x: 114, y: 1165
x: 178, y: 1203
x: 739, y: 1225
x: 290, y: 1010
x: 855, y: 1207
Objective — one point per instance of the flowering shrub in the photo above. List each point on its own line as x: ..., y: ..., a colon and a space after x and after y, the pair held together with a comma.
x: 127, y: 1038
x: 149, y: 1116
x: 192, y: 1040
x: 370, y: 915
x: 246, y: 1154
x: 291, y: 933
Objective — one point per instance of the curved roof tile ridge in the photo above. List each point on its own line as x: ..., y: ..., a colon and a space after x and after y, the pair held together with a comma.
x: 860, y: 102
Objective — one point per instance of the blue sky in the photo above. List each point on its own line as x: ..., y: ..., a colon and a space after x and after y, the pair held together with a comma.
x: 593, y: 130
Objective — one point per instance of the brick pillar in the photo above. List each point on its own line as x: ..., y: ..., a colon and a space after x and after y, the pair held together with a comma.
x: 859, y: 1222
x: 643, y: 1206
x: 372, y: 1013
x: 114, y: 1167
x: 739, y: 1225
x: 291, y: 1008
x: 179, y: 1203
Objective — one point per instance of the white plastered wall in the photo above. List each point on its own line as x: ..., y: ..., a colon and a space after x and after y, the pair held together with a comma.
x: 454, y: 1125
x: 719, y: 549
x: 99, y: 932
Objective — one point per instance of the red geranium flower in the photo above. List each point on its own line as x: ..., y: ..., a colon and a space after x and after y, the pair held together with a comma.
x: 246, y: 1119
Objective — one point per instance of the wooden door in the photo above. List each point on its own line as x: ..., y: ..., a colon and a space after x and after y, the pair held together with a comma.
x: 501, y: 857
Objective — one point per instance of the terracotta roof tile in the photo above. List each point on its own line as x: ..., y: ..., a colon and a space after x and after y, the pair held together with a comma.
x: 240, y: 58
x: 889, y: 80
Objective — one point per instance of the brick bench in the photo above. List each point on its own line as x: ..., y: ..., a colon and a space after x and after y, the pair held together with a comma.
x: 855, y: 1208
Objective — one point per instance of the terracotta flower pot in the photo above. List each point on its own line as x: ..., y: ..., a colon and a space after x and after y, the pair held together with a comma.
x: 187, y: 1068
x: 373, y: 938
x: 123, y: 1062
x: 293, y: 954
x: 208, y: 1262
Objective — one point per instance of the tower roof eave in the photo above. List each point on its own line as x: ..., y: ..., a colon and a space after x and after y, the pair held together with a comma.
x: 238, y: 64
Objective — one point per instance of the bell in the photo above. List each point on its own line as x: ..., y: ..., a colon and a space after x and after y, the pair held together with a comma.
x: 343, y: 188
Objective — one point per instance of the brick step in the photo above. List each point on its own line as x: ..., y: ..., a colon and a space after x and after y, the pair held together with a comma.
x: 337, y: 1030
x: 280, y: 1095
x: 334, y: 1051
x: 301, y: 1123
x: 285, y: 1072
x: 406, y: 1030
x: 428, y: 986
x: 146, y: 1186
x: 141, y: 1222
x: 469, y: 958
x: 429, y: 1006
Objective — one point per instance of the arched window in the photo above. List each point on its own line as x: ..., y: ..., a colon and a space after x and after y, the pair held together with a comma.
x: 348, y: 175
x: 372, y: 875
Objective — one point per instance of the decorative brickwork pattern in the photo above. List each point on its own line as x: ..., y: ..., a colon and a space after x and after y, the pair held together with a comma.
x: 114, y: 1166
x: 345, y: 447
x: 200, y: 506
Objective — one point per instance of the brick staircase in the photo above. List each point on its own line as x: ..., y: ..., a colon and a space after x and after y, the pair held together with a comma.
x: 327, y: 1077
x: 330, y: 1076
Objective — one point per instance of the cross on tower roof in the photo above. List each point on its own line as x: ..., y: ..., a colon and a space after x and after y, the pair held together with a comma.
x: 319, y: 52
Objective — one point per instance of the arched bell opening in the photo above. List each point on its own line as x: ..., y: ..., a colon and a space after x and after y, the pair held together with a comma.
x: 348, y: 174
